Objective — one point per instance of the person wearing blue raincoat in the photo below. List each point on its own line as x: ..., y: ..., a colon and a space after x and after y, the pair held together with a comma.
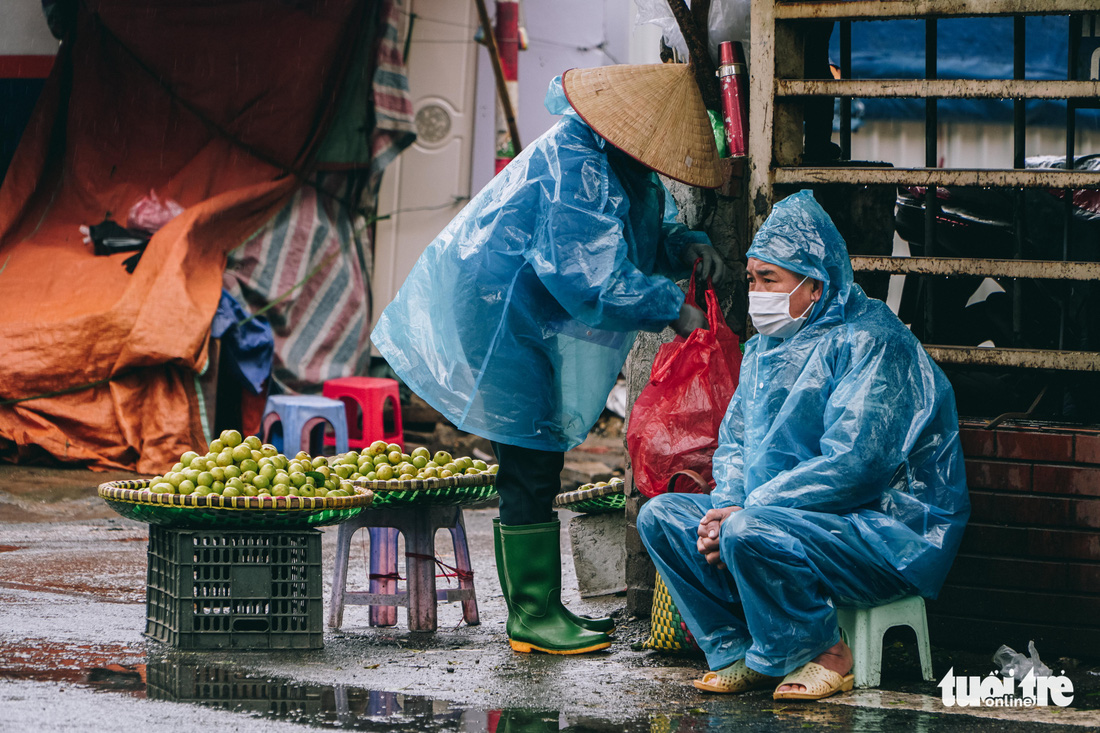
x: 839, y: 474
x: 517, y: 319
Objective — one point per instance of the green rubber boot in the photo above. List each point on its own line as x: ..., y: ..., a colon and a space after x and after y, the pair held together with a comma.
x: 604, y: 625
x: 536, y: 618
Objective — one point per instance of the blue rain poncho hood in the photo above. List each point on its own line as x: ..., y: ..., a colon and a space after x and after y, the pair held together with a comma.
x: 848, y: 416
x: 515, y: 321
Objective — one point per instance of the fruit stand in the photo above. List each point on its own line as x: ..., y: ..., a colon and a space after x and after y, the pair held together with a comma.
x: 234, y: 552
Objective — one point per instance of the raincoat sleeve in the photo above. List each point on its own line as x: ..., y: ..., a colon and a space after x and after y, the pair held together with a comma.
x: 872, y: 419
x: 676, y: 238
x: 580, y: 256
x: 728, y: 465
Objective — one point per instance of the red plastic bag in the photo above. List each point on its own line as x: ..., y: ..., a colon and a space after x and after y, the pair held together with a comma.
x: 674, y: 422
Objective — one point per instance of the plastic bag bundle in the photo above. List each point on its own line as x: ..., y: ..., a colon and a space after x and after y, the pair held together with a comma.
x: 151, y: 213
x: 1017, y: 665
x: 728, y: 20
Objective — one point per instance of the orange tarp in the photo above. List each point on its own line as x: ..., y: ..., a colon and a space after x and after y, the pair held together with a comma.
x: 197, y: 101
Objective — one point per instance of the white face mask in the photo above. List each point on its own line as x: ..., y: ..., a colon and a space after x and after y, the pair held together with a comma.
x: 771, y: 313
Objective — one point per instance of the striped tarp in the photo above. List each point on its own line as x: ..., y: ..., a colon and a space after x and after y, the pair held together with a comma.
x: 310, y: 266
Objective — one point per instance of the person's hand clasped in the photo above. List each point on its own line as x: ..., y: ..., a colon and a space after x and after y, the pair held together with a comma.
x: 690, y: 319
x: 710, y: 528
x: 711, y: 266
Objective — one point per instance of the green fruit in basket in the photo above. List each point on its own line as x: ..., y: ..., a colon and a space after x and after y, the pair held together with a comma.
x: 310, y: 481
x: 261, y: 482
x: 493, y: 469
x: 378, y: 446
x: 338, y: 493
x: 391, y: 447
x: 350, y: 458
x: 217, y: 487
x: 253, y: 442
x: 281, y: 477
x: 257, y: 454
x: 395, y: 457
x: 163, y: 488
x: 464, y: 462
x: 372, y: 476
x: 480, y: 465
x: 381, y: 460
x: 422, y: 451
x: 298, y: 491
x: 202, y: 491
x: 281, y: 491
x: 241, y: 452
x: 472, y: 471
x: 281, y: 462
x: 384, y: 472
x: 225, y: 458
x: 453, y: 468
x: 236, y: 483
x: 250, y: 490
x: 231, y: 438
x: 176, y: 468
x: 269, y: 450
x: 444, y: 473
x: 430, y: 472
x: 190, y: 474
x: 247, y: 476
x: 217, y: 445
x: 297, y: 479
x: 294, y: 466
x: 187, y: 457
x: 232, y: 471
x: 319, y: 461
x: 267, y: 471
x: 302, y: 456
x: 419, y: 461
x: 186, y: 486
x: 204, y: 479
x: 174, y: 478
x: 249, y: 465
x: 442, y: 457
x: 218, y: 473
x: 231, y: 492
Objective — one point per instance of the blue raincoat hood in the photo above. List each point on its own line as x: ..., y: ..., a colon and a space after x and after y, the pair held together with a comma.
x: 848, y: 416
x: 515, y: 321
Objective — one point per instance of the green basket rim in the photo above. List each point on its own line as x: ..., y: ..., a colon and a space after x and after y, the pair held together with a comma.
x: 137, y: 492
x: 571, y: 497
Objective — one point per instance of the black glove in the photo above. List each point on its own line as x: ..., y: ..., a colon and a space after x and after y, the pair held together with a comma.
x: 690, y: 319
x: 711, y: 267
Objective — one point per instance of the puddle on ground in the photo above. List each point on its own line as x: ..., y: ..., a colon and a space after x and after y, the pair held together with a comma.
x: 236, y: 689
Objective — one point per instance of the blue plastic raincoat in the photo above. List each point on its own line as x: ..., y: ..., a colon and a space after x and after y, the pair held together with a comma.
x: 516, y: 320
x: 841, y: 445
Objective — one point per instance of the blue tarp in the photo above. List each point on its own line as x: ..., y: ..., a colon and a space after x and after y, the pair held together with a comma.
x: 968, y: 48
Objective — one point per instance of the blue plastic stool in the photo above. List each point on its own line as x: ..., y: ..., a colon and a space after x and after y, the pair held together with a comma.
x: 863, y: 628
x: 299, y: 414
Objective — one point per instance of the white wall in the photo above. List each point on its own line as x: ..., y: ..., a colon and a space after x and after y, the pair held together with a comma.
x: 23, y: 29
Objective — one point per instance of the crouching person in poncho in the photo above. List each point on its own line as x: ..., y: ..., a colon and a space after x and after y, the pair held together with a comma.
x: 516, y: 320
x: 839, y: 473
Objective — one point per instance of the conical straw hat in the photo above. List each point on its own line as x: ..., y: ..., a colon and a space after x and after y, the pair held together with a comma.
x: 653, y: 113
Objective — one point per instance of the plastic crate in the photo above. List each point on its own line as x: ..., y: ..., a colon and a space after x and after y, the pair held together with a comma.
x: 247, y: 589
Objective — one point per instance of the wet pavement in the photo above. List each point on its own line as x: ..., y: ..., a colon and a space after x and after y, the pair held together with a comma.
x: 72, y: 656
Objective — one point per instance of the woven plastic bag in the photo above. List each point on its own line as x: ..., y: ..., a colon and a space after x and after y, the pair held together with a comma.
x: 667, y: 631
x: 674, y: 422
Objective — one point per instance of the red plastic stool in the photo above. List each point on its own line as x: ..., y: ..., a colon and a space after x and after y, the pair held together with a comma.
x: 367, y: 396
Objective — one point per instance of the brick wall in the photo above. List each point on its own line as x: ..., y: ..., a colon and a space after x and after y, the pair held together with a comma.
x: 1029, y: 565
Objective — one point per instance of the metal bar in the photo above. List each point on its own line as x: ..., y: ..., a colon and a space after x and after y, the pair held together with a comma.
x: 1000, y: 178
x: 1019, y: 152
x: 938, y: 88
x: 1069, y: 361
x: 931, y: 204
x: 845, y: 103
x: 888, y: 9
x: 967, y: 266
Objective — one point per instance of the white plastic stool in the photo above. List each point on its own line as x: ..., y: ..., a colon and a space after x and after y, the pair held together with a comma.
x: 863, y: 629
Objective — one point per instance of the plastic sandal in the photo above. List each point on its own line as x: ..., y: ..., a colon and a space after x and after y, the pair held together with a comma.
x: 737, y: 677
x: 818, y: 681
